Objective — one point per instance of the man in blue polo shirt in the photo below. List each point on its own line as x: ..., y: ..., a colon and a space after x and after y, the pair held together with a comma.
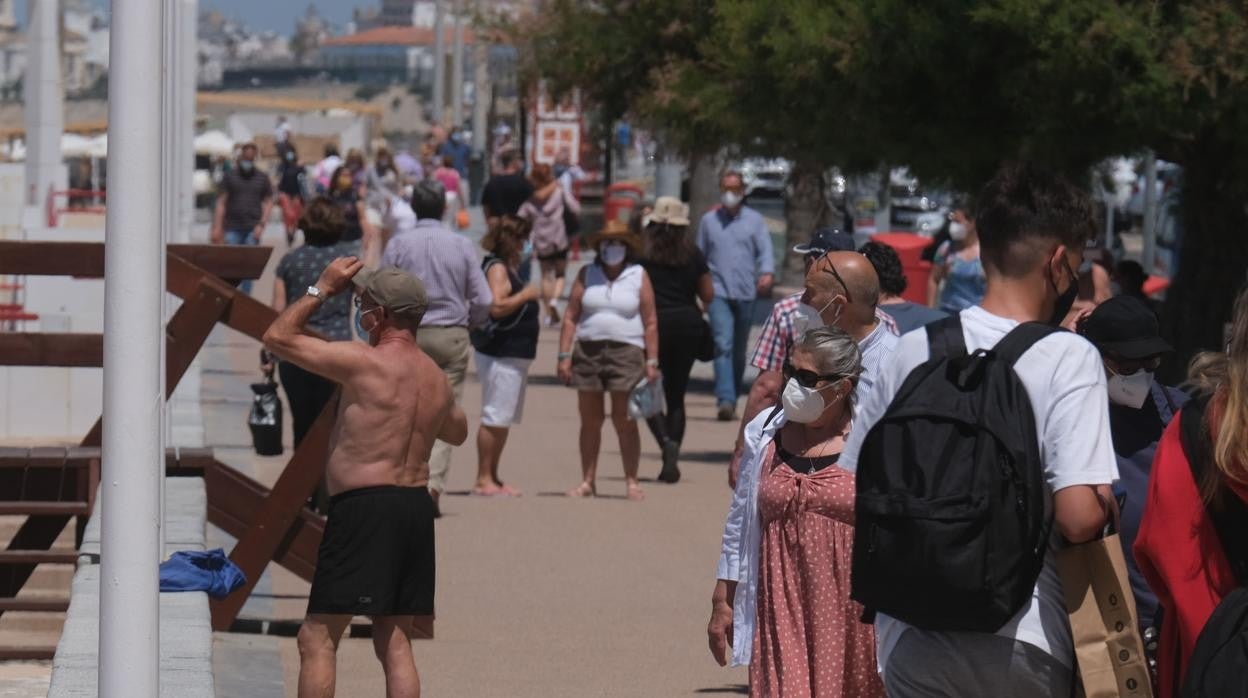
x: 737, y: 246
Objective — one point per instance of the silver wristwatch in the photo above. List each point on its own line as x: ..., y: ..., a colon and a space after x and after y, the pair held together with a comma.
x: 316, y: 293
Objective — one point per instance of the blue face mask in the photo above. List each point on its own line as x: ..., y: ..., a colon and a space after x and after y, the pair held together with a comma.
x: 246, y: 165
x: 359, y: 324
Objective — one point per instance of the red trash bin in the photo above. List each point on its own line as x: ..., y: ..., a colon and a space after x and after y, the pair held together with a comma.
x: 910, y: 248
x: 620, y: 201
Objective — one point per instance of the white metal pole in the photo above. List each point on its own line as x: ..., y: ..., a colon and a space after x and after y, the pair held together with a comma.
x: 439, y: 61
x: 42, y: 94
x: 188, y: 64
x: 480, y: 94
x: 129, y: 657
x: 1148, y: 256
x: 457, y: 68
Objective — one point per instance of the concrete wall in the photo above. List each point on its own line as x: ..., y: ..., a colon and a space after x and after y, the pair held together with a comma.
x: 185, y: 618
x: 351, y: 131
x: 55, y: 404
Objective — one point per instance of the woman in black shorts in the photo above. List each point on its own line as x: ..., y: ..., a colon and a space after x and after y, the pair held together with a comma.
x: 680, y: 277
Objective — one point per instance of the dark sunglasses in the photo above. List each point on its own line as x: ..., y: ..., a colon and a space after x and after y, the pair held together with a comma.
x: 806, y: 379
x: 1130, y: 367
x: 358, y: 302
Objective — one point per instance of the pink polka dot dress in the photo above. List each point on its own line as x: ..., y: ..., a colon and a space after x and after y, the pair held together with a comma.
x: 808, y: 640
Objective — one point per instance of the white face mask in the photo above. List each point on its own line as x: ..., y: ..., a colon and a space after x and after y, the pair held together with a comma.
x: 807, y: 317
x: 803, y: 405
x: 613, y: 253
x: 1130, y: 391
x: 730, y: 199
x: 957, y: 231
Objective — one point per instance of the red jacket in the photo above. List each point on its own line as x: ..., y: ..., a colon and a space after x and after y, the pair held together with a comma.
x: 1179, y: 553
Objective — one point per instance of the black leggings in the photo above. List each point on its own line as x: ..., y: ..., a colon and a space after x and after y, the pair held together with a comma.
x: 677, y: 348
x: 307, y: 394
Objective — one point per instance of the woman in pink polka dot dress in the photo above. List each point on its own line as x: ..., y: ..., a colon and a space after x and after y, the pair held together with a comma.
x: 807, y: 639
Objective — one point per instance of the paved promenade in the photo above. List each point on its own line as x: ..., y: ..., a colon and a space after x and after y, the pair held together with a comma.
x: 537, y: 596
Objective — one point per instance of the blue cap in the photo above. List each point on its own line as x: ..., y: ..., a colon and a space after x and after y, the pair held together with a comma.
x: 827, y: 240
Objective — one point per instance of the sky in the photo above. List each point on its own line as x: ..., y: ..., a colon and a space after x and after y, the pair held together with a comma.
x: 277, y: 15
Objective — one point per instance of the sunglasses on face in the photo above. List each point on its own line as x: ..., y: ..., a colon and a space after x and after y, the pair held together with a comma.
x: 806, y: 379
x: 1130, y: 367
x: 358, y: 302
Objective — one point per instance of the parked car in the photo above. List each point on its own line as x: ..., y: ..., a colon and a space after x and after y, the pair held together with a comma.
x: 765, y: 176
x: 914, y: 208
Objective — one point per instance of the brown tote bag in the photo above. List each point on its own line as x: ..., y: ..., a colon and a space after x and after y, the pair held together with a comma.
x: 1103, y: 620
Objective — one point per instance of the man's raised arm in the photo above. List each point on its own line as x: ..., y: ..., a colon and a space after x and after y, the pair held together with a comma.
x: 289, y: 339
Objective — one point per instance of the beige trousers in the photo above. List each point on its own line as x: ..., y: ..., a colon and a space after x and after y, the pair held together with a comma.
x: 449, y: 348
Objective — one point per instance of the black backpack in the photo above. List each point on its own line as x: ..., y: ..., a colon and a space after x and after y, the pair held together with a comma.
x: 1219, y: 662
x: 950, y: 529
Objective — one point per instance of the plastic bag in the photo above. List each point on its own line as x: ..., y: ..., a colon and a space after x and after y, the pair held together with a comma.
x: 461, y: 219
x: 265, y: 419
x: 646, y: 400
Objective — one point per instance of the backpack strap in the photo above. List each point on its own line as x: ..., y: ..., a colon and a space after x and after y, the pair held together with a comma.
x: 1013, y: 345
x: 1229, y: 513
x: 945, y: 339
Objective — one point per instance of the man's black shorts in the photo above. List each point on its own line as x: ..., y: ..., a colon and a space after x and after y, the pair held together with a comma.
x: 376, y: 557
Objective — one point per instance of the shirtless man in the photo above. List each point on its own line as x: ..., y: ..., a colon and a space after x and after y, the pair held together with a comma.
x: 376, y: 558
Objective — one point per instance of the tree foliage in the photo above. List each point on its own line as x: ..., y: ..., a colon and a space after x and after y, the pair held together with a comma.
x: 952, y: 88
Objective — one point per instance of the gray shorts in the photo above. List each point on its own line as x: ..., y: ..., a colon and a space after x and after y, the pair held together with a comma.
x: 926, y: 664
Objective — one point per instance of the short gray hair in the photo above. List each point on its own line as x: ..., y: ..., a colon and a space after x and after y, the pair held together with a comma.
x: 834, y: 351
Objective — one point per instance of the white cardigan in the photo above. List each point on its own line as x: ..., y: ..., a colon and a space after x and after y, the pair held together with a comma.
x: 742, y: 542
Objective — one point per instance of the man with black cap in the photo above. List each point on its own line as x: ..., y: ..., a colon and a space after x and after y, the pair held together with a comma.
x: 376, y: 556
x: 1126, y: 333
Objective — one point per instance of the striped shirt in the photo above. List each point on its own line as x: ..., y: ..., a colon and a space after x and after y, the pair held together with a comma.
x: 448, y: 266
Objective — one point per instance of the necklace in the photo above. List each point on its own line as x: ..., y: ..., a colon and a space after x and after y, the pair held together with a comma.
x: 821, y: 447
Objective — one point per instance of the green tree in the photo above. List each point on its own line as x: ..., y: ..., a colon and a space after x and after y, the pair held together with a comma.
x: 952, y: 88
x: 962, y: 85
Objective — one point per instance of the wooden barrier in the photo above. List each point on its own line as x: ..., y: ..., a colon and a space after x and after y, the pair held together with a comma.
x: 270, y: 525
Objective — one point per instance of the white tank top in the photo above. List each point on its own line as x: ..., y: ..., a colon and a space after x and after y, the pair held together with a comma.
x: 611, y: 310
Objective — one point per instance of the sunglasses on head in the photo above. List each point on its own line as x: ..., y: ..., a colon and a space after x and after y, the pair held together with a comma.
x: 831, y: 269
x: 806, y: 379
x: 1130, y: 367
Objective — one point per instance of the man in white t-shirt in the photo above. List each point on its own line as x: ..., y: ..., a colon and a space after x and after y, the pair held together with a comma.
x: 1032, y: 229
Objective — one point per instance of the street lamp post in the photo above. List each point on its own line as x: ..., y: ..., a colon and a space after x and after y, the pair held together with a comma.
x: 439, y: 60
x: 129, y: 656
x: 457, y: 67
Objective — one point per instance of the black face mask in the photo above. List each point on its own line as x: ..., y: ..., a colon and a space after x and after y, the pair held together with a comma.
x: 1065, y: 299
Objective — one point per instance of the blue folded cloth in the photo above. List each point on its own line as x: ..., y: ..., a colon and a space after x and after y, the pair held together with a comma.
x: 210, y: 571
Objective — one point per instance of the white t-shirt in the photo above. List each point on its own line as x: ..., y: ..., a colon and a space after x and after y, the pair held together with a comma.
x: 1065, y: 380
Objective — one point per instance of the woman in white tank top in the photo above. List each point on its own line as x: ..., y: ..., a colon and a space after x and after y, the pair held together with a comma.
x: 611, y: 317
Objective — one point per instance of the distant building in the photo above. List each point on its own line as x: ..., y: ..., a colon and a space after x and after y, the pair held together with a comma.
x: 84, y: 48
x: 310, y: 31
x: 397, y: 13
x: 386, y: 55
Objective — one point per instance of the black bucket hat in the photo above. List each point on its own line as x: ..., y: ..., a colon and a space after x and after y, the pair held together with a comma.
x: 1126, y: 328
